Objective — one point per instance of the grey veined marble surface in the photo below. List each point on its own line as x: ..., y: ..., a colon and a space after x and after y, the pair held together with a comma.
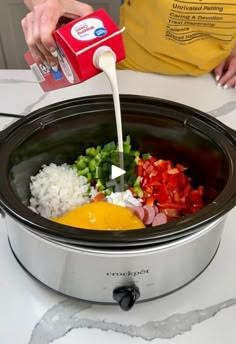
x: 31, y: 105
x: 98, y: 84
x: 68, y: 315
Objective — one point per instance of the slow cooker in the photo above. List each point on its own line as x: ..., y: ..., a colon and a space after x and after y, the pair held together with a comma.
x: 116, y: 266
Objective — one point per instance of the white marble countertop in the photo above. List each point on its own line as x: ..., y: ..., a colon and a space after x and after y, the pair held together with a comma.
x: 202, y: 312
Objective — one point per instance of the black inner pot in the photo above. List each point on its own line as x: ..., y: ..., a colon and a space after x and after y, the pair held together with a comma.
x: 60, y: 132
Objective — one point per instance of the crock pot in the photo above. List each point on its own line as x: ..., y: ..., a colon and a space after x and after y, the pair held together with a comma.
x: 117, y: 266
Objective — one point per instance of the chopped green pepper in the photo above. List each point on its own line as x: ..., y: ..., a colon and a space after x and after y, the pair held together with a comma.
x: 137, y: 188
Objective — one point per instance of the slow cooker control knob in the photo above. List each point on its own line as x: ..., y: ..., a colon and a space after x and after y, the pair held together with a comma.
x: 126, y: 296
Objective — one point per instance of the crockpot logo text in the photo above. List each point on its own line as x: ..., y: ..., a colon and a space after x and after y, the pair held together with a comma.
x: 128, y: 273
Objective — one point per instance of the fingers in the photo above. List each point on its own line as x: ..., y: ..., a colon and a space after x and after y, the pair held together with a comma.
x: 219, y: 70
x: 40, y: 23
x: 32, y: 26
x: 227, y: 74
x: 43, y: 45
x: 77, y: 8
x: 28, y: 29
x: 47, y: 24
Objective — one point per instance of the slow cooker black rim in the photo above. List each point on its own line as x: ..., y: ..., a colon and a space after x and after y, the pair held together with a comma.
x: 187, y: 226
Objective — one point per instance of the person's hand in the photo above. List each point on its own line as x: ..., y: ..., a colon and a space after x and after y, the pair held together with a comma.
x: 39, y: 24
x: 225, y: 72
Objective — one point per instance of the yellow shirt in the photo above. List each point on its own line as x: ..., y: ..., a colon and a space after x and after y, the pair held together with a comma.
x: 177, y: 36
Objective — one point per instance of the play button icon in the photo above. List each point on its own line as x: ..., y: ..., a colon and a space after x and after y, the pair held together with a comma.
x: 116, y: 172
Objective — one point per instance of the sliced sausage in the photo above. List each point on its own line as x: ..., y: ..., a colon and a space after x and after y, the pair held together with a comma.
x: 149, y: 214
x: 172, y: 212
x: 159, y: 219
x: 139, y: 212
x: 156, y: 209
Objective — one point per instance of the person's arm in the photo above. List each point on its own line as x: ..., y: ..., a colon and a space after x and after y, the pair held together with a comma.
x: 39, y: 24
x: 225, y: 72
x: 31, y: 3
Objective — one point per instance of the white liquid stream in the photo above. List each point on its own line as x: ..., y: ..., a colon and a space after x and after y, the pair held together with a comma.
x: 106, y: 61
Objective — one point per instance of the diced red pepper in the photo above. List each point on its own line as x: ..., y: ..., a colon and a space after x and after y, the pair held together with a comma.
x: 186, y: 191
x: 152, y: 159
x: 146, y: 164
x: 172, y: 212
x: 165, y: 176
x: 163, y: 195
x: 182, y: 179
x: 145, y: 181
x: 150, y: 201
x: 195, y: 198
x: 176, y: 196
x: 149, y: 169
x: 181, y: 167
x: 172, y: 183
x: 154, y: 173
x: 99, y: 197
x: 155, y: 180
x: 166, y: 187
x: 148, y: 189
x: 139, y: 170
x: 201, y: 190
x: 173, y: 170
x: 173, y: 205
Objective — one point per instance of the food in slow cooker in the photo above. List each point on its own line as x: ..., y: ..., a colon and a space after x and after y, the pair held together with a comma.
x: 101, y: 215
x: 57, y: 189
x: 158, y: 191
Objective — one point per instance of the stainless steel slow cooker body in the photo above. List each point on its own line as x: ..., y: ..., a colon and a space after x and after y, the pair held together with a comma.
x: 109, y: 275
x: 117, y: 265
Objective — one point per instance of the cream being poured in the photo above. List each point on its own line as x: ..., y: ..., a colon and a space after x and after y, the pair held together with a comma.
x: 105, y: 59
